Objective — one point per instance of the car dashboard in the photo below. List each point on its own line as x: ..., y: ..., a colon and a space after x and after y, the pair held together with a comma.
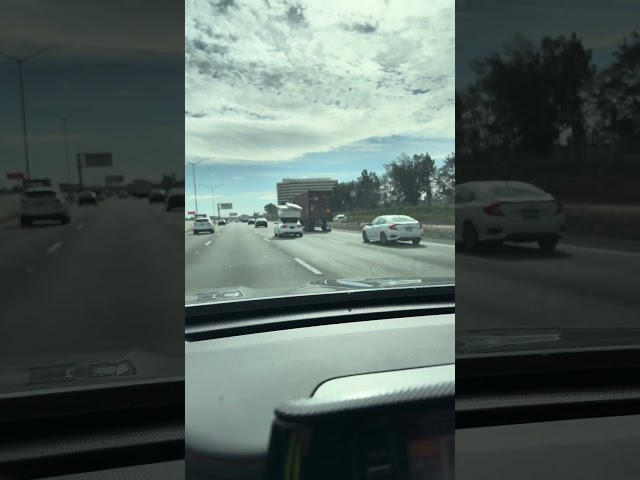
x: 242, y: 371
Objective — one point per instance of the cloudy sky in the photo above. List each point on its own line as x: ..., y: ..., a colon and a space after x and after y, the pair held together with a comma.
x: 278, y: 89
x: 482, y: 26
x: 120, y: 62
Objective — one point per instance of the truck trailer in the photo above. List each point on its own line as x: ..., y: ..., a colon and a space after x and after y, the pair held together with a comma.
x: 316, y: 209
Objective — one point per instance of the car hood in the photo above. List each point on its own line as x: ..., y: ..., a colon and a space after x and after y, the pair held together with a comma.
x: 528, y: 340
x: 91, y: 369
x: 214, y: 295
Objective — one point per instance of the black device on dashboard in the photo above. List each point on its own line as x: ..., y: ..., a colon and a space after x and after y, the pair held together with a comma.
x: 405, y: 434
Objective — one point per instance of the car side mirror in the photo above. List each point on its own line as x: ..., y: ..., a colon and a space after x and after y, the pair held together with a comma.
x: 369, y: 225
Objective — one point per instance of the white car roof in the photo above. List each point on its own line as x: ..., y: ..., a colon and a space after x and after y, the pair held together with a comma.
x: 399, y: 215
x: 497, y: 183
x: 41, y: 189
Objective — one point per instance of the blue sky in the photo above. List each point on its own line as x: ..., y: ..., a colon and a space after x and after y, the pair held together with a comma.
x: 323, y: 89
x: 251, y: 185
x: 133, y: 84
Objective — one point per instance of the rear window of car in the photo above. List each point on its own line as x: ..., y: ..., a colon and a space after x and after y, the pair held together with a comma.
x: 202, y: 220
x: 289, y: 220
x: 41, y: 194
x: 514, y: 191
x: 403, y: 219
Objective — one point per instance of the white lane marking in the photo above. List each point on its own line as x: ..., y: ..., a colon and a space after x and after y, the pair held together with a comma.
x: 197, y: 253
x: 600, y: 250
x: 308, y: 267
x: 54, y: 247
x: 219, y: 234
x: 207, y: 243
x: 267, y: 240
x: 336, y: 241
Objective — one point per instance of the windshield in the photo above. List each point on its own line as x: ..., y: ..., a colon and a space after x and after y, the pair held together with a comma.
x: 547, y: 128
x: 91, y: 289
x: 333, y: 108
x: 40, y: 194
x: 402, y: 219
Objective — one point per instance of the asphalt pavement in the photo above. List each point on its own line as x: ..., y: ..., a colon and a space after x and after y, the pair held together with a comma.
x: 584, y: 283
x: 240, y: 255
x: 109, y: 280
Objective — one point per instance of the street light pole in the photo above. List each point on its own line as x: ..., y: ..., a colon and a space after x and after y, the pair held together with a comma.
x: 24, y: 120
x: 213, y: 201
x: 193, y: 169
x: 65, y: 130
x: 66, y: 149
x: 20, y: 62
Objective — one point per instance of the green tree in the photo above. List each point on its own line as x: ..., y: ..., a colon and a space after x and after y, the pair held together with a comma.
x: 367, y: 190
x: 446, y: 178
x: 411, y: 178
x: 618, y: 93
x: 344, y: 197
x: 272, y: 211
x: 531, y: 93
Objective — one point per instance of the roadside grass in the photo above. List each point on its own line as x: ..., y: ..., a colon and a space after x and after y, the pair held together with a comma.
x: 437, y: 215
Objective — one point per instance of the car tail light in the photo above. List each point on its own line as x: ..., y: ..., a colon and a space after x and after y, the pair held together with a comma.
x: 393, y: 227
x: 494, y: 209
x: 558, y: 207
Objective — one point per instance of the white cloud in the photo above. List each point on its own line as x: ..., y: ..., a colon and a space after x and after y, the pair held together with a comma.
x: 261, y: 86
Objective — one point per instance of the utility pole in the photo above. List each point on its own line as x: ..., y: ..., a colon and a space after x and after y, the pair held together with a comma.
x: 213, y: 202
x: 20, y: 61
x: 65, y: 130
x: 193, y: 169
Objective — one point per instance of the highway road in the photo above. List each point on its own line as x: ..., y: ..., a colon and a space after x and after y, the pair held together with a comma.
x: 239, y: 255
x: 109, y: 280
x: 585, y: 283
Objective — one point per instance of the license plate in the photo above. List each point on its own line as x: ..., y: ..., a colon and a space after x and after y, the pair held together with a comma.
x: 530, y: 214
x: 409, y: 229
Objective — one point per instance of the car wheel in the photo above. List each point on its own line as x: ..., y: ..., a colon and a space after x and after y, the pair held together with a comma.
x: 469, y: 236
x: 548, y: 244
x: 416, y: 241
x: 383, y: 238
x: 365, y: 239
x: 65, y: 219
x: 25, y: 222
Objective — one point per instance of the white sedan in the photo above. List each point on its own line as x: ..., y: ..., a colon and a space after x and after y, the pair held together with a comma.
x: 393, y: 228
x: 507, y: 211
x: 288, y: 228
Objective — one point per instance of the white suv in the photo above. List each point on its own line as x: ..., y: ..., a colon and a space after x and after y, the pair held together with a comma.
x: 175, y: 197
x: 288, y: 228
x: 43, y: 203
x: 202, y: 225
